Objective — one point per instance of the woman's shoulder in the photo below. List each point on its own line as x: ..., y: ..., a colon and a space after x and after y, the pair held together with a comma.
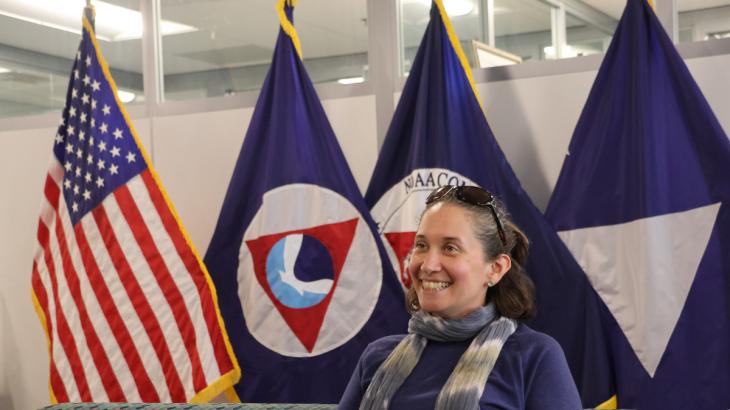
x: 545, y: 371
x: 527, y: 335
x: 531, y: 344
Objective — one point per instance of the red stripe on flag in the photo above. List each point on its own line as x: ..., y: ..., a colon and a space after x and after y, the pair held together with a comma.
x: 101, y: 360
x: 164, y: 279
x: 52, y: 192
x: 65, y: 336
x: 59, y: 390
x: 42, y: 297
x: 146, y: 389
x: 42, y: 234
x: 62, y: 330
x: 141, y: 305
x: 193, y: 266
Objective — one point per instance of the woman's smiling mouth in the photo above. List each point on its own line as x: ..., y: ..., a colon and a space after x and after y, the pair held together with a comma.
x: 434, y: 286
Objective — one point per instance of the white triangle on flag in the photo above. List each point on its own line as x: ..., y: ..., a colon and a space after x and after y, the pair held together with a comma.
x: 643, y: 271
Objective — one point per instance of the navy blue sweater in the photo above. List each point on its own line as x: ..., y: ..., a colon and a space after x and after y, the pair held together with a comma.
x: 530, y: 373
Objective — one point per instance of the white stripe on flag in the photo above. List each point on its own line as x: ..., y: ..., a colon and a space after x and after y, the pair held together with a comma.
x: 132, y: 322
x: 96, y: 388
x: 98, y: 320
x: 180, y: 276
x: 62, y: 307
x: 58, y: 355
x: 151, y: 289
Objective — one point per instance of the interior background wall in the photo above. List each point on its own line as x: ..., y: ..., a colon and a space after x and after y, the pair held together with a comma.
x: 194, y: 154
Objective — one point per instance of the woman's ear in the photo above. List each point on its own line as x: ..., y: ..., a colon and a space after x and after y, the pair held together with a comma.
x: 499, y: 267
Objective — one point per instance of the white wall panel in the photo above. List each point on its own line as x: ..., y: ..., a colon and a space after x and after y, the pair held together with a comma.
x: 194, y: 157
x: 353, y: 120
x: 24, y: 354
x: 533, y: 120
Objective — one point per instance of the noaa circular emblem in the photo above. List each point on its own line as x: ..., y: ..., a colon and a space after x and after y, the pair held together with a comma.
x: 299, y: 271
x: 309, y: 272
x: 397, y: 212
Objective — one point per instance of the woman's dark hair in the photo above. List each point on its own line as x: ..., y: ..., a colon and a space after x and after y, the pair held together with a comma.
x: 513, y: 295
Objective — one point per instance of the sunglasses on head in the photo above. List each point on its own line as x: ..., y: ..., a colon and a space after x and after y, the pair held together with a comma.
x: 472, y: 195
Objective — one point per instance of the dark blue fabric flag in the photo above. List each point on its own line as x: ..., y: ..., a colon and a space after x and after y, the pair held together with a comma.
x: 439, y: 135
x: 642, y: 203
x: 303, y: 280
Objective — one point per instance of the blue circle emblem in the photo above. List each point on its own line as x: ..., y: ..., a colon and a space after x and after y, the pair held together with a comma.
x: 299, y: 271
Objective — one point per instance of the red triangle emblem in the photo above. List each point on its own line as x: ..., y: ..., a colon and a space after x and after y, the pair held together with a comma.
x: 337, y: 239
x: 402, y: 243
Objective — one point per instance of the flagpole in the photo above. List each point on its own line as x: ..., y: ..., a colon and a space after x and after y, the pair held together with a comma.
x: 90, y: 14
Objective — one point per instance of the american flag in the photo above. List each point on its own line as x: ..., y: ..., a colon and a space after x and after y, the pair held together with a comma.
x: 128, y: 307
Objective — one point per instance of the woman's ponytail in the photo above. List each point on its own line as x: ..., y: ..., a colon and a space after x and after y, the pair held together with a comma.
x: 514, y: 294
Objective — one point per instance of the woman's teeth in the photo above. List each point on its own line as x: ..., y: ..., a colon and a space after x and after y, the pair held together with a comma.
x: 433, y: 285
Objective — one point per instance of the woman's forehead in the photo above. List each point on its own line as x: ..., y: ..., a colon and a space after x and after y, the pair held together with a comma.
x: 445, y: 219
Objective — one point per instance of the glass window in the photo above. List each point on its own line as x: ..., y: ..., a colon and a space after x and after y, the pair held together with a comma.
x: 703, y: 20
x: 523, y: 28
x: 39, y: 43
x: 583, y: 38
x: 230, y: 45
x: 499, y: 32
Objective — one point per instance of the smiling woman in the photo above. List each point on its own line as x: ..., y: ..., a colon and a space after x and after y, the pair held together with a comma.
x: 466, y: 346
x: 451, y: 271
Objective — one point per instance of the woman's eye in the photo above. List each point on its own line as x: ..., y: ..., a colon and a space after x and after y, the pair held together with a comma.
x: 451, y: 248
x: 419, y: 245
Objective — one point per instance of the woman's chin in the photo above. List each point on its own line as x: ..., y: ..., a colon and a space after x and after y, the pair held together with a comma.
x: 432, y: 305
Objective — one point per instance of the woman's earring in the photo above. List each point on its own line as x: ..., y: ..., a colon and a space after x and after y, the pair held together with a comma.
x: 490, y: 284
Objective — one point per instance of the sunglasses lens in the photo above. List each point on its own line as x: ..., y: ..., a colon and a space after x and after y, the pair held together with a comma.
x: 474, y: 195
x: 438, y: 193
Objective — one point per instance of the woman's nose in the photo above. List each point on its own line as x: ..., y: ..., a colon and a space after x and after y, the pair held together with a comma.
x: 431, y: 262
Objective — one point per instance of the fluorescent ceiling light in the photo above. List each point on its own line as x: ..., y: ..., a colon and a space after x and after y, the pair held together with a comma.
x: 454, y: 8
x: 351, y: 80
x: 4, y: 70
x: 113, y: 23
x: 458, y: 8
x: 126, y: 96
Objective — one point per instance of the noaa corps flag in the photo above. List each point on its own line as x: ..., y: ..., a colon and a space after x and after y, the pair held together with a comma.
x: 302, y: 278
x: 438, y: 136
x: 642, y: 203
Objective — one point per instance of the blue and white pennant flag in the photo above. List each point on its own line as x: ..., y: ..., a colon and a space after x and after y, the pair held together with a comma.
x: 642, y: 203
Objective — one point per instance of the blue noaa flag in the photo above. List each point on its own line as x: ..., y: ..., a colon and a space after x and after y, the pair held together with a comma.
x: 302, y: 278
x: 439, y: 135
x: 642, y: 203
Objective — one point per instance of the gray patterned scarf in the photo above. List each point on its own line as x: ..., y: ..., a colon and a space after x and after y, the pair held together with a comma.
x: 466, y: 384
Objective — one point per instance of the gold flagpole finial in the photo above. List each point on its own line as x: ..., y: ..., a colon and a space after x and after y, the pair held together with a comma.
x: 287, y: 25
x: 457, y: 48
x: 90, y: 13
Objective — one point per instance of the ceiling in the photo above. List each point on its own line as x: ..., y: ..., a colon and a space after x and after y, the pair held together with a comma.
x: 614, y: 8
x: 239, y: 33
